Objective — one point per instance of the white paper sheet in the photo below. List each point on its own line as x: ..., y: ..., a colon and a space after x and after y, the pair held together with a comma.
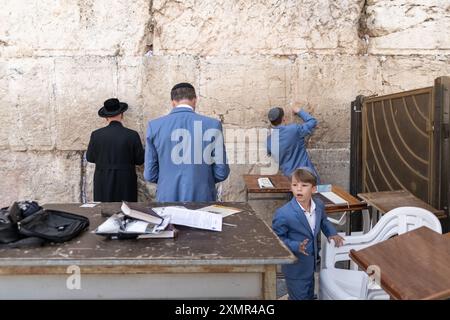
x: 111, y: 225
x: 222, y: 210
x: 334, y: 198
x: 192, y: 218
x: 89, y: 205
x: 136, y: 226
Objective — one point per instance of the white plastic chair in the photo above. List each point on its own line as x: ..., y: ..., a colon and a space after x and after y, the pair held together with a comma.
x: 343, y: 220
x: 339, y: 284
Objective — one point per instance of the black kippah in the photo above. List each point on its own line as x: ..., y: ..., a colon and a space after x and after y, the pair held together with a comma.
x: 182, y: 85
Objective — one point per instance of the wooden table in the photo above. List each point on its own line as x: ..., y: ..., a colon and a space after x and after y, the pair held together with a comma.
x: 414, y: 265
x: 385, y: 201
x: 239, y: 262
x: 282, y: 185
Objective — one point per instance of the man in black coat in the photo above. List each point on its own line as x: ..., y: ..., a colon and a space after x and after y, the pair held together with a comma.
x: 116, y: 151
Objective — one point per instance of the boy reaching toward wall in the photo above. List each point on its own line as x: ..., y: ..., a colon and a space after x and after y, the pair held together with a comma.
x: 292, y: 152
x: 298, y: 224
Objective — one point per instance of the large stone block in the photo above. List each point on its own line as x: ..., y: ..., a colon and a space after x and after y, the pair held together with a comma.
x: 407, y: 27
x: 264, y: 27
x: 27, y: 104
x: 333, y: 166
x: 240, y: 90
x: 74, y: 27
x: 129, y: 88
x: 160, y: 75
x: 329, y: 84
x: 42, y: 176
x: 81, y: 86
x: 4, y: 106
x: 406, y: 73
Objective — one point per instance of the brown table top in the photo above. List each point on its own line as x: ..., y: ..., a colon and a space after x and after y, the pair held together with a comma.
x: 251, y: 242
x: 282, y: 184
x: 385, y: 201
x: 414, y: 265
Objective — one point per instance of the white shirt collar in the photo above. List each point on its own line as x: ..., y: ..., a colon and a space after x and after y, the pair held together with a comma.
x: 312, y: 210
x: 184, y: 106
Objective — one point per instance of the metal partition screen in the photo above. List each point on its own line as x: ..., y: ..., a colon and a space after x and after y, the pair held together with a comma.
x: 398, y: 149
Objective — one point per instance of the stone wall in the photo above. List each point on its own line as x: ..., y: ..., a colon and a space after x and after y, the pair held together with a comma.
x: 59, y: 60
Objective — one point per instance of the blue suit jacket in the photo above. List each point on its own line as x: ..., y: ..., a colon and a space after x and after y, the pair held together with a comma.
x: 189, y: 177
x: 292, y: 148
x: 291, y: 225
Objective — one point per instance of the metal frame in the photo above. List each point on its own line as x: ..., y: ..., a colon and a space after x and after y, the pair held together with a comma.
x: 438, y: 190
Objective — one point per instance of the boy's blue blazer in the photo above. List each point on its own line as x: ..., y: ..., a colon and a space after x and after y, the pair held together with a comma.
x: 191, y: 181
x: 292, y: 227
x: 292, y: 153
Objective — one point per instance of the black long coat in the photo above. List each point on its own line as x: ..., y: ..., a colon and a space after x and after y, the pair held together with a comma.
x: 116, y: 151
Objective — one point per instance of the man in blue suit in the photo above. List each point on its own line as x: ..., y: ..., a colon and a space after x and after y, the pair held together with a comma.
x: 185, y: 152
x: 292, y: 152
x: 298, y: 224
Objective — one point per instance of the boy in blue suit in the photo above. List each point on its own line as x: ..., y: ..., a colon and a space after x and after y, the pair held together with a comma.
x: 185, y: 152
x: 292, y: 152
x: 298, y: 223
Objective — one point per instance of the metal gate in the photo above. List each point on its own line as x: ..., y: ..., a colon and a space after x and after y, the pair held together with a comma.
x: 401, y: 141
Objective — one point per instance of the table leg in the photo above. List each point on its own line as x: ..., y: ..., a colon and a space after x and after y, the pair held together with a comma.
x: 270, y: 282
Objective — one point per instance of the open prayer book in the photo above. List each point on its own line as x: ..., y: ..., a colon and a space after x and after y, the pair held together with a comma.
x: 119, y: 226
x: 141, y: 213
x: 327, y: 196
x: 265, y: 182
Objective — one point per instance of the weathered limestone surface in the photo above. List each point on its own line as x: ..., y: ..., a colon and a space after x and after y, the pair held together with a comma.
x: 27, y: 104
x: 76, y: 114
x: 41, y: 175
x: 407, y: 73
x: 239, y: 90
x: 30, y: 28
x: 59, y: 60
x: 408, y: 27
x: 161, y: 74
x: 241, y: 27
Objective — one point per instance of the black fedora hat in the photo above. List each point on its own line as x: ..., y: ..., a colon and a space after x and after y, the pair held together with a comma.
x: 112, y: 107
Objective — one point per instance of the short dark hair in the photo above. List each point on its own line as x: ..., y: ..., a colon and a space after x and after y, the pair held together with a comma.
x: 305, y: 176
x: 276, y: 115
x: 277, y: 122
x: 182, y: 91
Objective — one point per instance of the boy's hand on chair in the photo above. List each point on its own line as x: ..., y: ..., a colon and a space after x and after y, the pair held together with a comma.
x: 338, y: 240
x: 302, y: 247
